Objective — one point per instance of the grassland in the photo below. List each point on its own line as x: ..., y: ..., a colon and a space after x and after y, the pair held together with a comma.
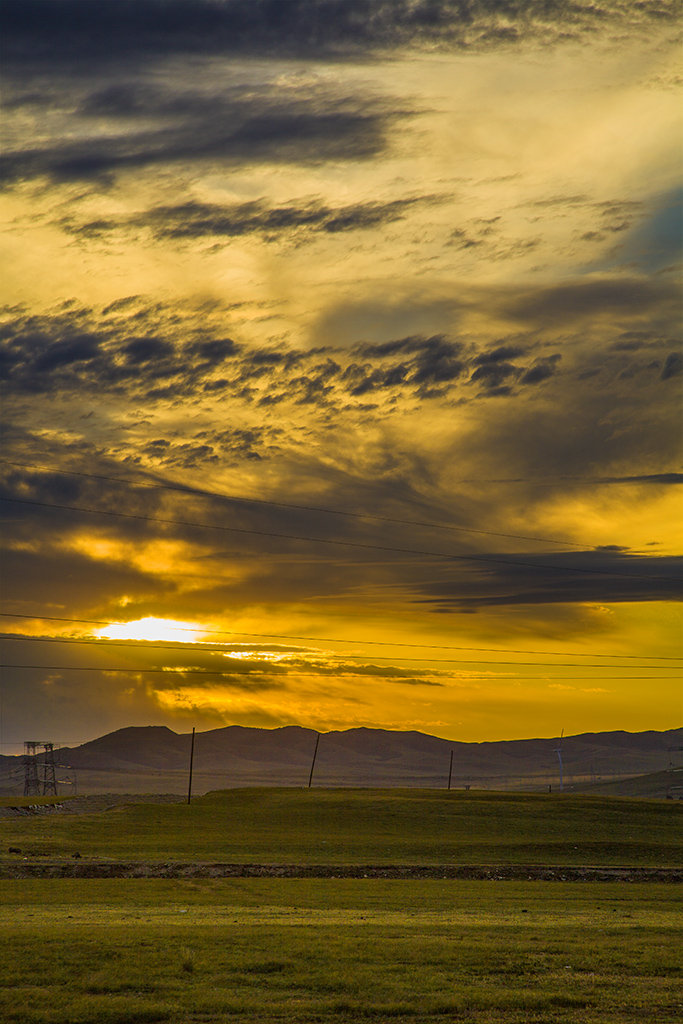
x: 366, y: 827
x: 302, y: 950
x: 313, y: 950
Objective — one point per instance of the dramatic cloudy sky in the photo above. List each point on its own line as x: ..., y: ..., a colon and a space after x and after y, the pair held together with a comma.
x: 339, y: 338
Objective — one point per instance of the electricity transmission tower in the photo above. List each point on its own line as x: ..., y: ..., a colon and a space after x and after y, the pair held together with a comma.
x: 32, y: 783
x: 49, y: 777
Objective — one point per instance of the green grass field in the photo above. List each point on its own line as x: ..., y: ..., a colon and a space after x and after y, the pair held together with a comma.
x: 315, y: 950
x: 367, y: 826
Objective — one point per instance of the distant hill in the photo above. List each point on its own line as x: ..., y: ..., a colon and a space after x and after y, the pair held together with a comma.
x: 155, y: 759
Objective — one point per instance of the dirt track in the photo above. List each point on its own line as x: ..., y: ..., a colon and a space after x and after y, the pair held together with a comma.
x: 533, y: 873
x: 88, y: 804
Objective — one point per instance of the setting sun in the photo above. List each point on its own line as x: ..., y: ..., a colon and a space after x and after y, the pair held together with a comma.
x: 152, y: 628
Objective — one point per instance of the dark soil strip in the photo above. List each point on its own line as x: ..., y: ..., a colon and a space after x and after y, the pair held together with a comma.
x: 89, y: 804
x: 507, y: 872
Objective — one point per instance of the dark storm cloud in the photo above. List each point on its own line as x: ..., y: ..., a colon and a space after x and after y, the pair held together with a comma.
x: 230, y: 667
x: 477, y: 574
x: 40, y: 507
x: 498, y: 355
x: 66, y: 578
x: 438, y: 362
x: 256, y: 126
x: 143, y: 350
x: 493, y: 375
x: 591, y: 428
x: 609, y: 296
x: 206, y: 664
x: 80, y: 350
x: 606, y: 574
x: 67, y: 552
x: 46, y: 516
x: 200, y: 220
x: 157, y: 354
x: 673, y: 366
x: 573, y: 430
x: 70, y: 30
x: 541, y: 369
x: 427, y: 367
x: 648, y: 478
x: 214, y: 446
x: 221, y: 533
x: 337, y: 666
x: 496, y: 374
x: 212, y: 351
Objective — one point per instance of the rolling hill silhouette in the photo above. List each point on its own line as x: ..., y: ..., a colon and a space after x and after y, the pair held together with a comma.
x: 156, y: 759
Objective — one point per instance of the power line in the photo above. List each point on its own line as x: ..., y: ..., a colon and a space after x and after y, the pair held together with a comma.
x: 283, y: 504
x: 441, y: 661
x: 339, y: 543
x: 225, y: 672
x: 330, y: 640
x: 129, y: 671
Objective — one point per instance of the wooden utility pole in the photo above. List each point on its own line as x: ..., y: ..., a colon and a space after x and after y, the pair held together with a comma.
x: 189, y: 785
x: 315, y: 754
x: 450, y: 771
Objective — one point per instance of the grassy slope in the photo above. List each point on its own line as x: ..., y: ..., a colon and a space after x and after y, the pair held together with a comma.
x: 366, y: 826
x: 656, y: 785
x: 295, y: 951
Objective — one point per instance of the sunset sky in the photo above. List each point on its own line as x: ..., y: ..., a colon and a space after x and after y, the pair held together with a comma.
x: 339, y: 345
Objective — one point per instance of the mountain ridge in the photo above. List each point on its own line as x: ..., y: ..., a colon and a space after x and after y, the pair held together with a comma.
x: 362, y: 755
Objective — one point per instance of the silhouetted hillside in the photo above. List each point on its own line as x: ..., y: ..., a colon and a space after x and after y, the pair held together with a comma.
x: 153, y: 746
x: 156, y: 759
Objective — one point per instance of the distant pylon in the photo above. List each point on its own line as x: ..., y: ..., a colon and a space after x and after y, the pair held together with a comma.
x: 49, y: 777
x: 31, y: 784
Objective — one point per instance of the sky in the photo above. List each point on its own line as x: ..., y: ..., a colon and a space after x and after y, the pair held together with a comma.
x: 341, y: 371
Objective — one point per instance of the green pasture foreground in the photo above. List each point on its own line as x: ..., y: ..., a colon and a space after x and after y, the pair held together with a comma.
x: 364, y: 826
x: 302, y: 951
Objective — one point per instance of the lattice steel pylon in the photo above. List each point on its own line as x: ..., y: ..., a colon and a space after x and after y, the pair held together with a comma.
x: 49, y: 777
x: 31, y: 783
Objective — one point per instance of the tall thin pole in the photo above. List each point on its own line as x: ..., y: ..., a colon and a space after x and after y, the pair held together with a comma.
x: 189, y: 785
x: 450, y: 771
x: 315, y: 754
x: 558, y: 751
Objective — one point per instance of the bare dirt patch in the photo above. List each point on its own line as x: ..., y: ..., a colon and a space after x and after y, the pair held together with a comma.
x: 88, y: 804
x: 39, y: 868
